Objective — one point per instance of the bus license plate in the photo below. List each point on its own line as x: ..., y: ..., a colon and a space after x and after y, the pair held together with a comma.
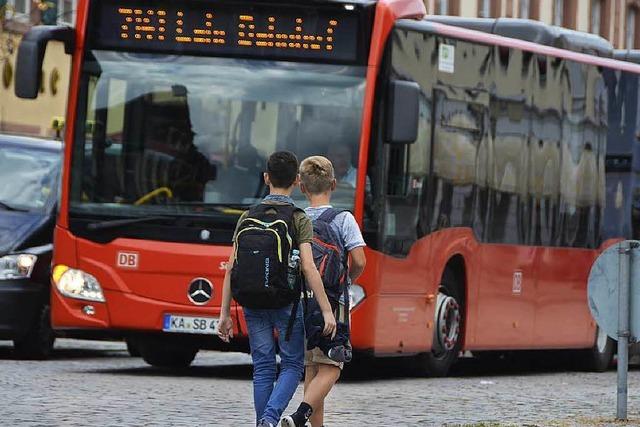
x: 190, y: 325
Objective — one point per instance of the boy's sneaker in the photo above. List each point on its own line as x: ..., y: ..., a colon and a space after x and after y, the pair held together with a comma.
x: 298, y: 418
x: 263, y: 423
x: 288, y: 421
x: 340, y: 354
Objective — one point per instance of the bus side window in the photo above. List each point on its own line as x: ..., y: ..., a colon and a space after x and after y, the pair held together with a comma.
x: 579, y: 200
x: 459, y: 159
x: 544, y: 153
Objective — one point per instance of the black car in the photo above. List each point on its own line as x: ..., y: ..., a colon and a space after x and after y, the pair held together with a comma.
x: 29, y: 182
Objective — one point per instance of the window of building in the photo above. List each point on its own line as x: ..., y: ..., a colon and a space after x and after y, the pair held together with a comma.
x: 484, y: 8
x: 558, y: 12
x: 525, y: 5
x: 18, y: 9
x: 596, y: 16
x: 631, y: 30
x: 443, y: 7
x: 67, y: 11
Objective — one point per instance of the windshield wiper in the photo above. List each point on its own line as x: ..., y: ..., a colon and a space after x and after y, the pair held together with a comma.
x: 241, y: 206
x: 115, y: 223
x: 7, y: 207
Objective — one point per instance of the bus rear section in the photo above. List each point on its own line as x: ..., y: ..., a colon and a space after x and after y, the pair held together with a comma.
x: 482, y: 231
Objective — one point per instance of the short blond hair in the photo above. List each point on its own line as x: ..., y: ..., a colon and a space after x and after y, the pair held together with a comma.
x: 316, y: 173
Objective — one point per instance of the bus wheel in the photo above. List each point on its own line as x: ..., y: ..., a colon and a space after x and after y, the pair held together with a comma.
x: 447, y: 339
x: 37, y: 344
x: 598, y: 358
x: 132, y: 347
x: 163, y: 354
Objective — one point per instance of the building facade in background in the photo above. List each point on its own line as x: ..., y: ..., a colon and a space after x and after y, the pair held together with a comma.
x: 18, y: 116
x: 616, y: 20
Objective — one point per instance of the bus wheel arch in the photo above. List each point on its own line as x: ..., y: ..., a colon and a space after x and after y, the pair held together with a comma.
x: 449, y: 321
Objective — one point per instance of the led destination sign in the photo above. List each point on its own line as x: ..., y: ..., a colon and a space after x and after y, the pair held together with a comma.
x: 213, y: 28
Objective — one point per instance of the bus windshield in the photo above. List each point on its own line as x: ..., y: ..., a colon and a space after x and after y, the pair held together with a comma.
x: 166, y: 134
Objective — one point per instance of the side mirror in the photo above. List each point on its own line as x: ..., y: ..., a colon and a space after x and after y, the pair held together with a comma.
x: 403, y: 103
x: 31, y: 55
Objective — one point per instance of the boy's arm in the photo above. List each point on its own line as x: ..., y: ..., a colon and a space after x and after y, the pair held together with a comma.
x: 315, y: 283
x: 225, y: 327
x: 358, y: 262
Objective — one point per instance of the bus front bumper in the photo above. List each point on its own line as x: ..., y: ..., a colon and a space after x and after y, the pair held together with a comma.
x: 125, y: 312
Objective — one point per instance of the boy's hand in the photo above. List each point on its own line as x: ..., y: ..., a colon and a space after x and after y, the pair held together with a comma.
x: 225, y: 328
x: 329, y: 324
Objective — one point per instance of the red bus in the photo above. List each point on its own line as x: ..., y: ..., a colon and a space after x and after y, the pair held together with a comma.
x: 472, y: 152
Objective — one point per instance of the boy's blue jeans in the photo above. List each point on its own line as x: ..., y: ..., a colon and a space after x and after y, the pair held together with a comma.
x: 272, y: 399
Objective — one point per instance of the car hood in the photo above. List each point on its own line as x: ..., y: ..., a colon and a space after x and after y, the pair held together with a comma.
x: 16, y: 227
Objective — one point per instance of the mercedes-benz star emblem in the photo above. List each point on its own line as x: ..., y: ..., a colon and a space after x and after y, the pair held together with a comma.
x: 205, y: 235
x: 200, y: 291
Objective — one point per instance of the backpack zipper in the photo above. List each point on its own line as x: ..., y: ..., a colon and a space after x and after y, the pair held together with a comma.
x: 269, y: 224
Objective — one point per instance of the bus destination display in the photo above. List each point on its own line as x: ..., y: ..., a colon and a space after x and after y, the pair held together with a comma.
x: 229, y: 29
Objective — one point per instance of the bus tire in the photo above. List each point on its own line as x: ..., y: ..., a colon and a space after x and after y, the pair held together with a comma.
x: 38, y: 342
x: 162, y: 354
x: 599, y: 357
x: 132, y: 347
x: 448, y: 327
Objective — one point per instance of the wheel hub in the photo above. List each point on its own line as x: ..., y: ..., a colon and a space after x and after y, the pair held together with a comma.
x: 447, y: 322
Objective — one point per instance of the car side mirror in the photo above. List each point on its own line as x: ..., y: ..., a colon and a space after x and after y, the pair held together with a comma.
x: 402, y: 112
x: 31, y: 55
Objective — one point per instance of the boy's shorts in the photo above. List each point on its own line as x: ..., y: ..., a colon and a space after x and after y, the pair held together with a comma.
x: 317, y: 357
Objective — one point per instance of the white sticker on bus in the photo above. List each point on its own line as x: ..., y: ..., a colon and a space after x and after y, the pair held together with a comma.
x: 127, y: 260
x: 446, y: 58
x: 517, y: 282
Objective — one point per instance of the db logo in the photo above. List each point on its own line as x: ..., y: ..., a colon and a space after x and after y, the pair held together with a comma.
x: 127, y: 260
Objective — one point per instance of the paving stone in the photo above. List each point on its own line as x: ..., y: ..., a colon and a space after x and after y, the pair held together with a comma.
x: 90, y: 383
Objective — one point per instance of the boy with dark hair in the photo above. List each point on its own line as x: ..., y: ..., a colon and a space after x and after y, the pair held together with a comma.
x: 322, y: 367
x: 268, y: 304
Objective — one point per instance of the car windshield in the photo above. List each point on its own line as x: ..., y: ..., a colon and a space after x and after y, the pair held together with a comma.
x: 167, y: 134
x: 28, y: 178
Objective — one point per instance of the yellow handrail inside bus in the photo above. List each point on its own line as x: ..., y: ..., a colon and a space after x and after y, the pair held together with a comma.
x: 144, y: 199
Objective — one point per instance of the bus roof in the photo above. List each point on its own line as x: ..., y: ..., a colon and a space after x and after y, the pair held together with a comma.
x: 629, y: 55
x: 533, y: 31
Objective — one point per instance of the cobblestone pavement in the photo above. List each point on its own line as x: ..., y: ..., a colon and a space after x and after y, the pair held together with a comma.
x: 98, y: 384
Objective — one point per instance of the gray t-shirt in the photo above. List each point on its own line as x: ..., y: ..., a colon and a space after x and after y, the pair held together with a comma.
x: 344, y: 225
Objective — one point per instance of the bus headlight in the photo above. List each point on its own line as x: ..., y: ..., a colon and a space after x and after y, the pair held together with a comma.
x: 356, y: 295
x: 77, y: 284
x: 17, y: 266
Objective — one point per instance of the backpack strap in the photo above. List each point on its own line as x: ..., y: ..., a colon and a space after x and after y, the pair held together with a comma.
x: 292, y: 319
x: 327, y: 217
x: 290, y: 211
x: 330, y: 214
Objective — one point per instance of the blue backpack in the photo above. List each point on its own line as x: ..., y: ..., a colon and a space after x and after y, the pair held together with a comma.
x: 330, y: 257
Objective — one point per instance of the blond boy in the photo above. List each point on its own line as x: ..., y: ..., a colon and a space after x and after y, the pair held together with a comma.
x: 321, y: 373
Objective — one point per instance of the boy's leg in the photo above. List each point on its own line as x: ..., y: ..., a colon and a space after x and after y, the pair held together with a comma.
x: 291, y: 366
x: 263, y: 354
x: 309, y: 374
x: 318, y: 388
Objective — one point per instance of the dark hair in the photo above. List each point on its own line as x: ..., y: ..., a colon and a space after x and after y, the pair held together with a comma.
x: 282, y: 168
